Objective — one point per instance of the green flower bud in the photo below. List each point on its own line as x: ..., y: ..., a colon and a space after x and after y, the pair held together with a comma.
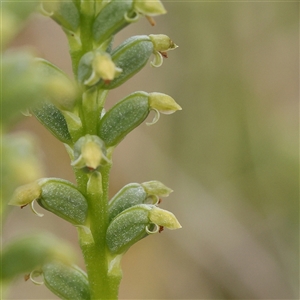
x: 149, y: 8
x: 52, y: 118
x: 131, y: 56
x: 131, y: 112
x: 65, y: 13
x: 112, y: 18
x: 134, y: 194
x: 66, y: 281
x: 123, y: 118
x: 24, y: 254
x: 127, y: 228
x: 89, y: 152
x: 97, y: 65
x: 63, y: 199
x: 125, y: 56
x: 135, y: 223
x: 130, y: 195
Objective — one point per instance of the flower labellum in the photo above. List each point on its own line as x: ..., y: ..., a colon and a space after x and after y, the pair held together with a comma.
x: 104, y: 66
x: 89, y: 152
x: 163, y: 218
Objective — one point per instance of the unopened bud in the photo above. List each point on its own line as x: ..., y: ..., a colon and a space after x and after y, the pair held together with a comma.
x: 135, y: 223
x: 123, y: 117
x: 62, y: 198
x: 125, y: 57
x: 130, y: 195
x: 114, y: 16
x: 53, y: 119
x: 134, y: 194
x: 65, y: 280
x: 127, y: 228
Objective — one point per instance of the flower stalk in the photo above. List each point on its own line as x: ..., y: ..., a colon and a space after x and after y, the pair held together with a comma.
x: 106, y: 228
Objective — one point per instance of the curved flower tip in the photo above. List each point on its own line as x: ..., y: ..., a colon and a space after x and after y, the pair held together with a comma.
x: 25, y: 194
x: 163, y: 103
x: 44, y: 11
x: 158, y: 59
x: 149, y: 8
x: 47, y: 8
x: 164, y: 218
x: 33, y: 275
x: 34, y: 210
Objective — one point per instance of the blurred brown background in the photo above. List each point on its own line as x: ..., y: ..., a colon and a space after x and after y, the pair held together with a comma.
x: 231, y: 154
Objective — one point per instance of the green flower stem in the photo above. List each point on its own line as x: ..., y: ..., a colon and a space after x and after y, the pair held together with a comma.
x: 96, y: 264
x: 81, y: 179
x: 92, y: 105
x: 103, y: 285
x: 90, y: 112
x: 81, y: 42
x: 87, y: 18
x: 103, y: 269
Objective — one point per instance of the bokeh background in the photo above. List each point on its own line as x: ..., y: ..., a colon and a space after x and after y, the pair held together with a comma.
x: 231, y: 154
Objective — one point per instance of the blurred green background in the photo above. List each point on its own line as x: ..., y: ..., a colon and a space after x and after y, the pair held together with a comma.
x: 231, y: 154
